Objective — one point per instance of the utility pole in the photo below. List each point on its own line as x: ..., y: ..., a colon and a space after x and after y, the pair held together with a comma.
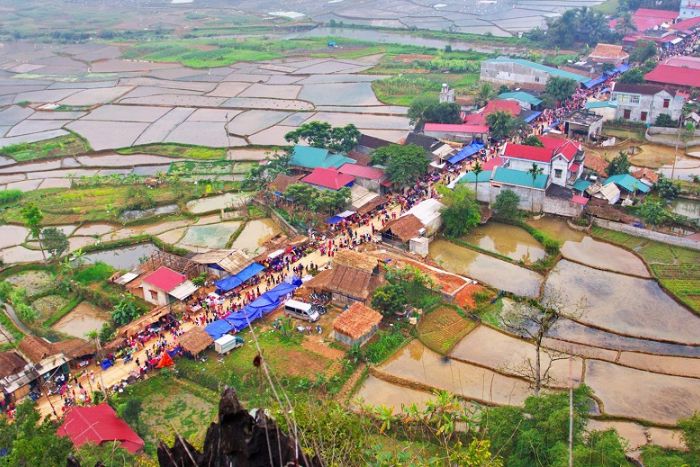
x: 571, y: 417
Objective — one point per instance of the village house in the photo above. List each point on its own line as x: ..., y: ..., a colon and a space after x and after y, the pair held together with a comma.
x: 646, y: 176
x: 561, y: 160
x: 308, y: 158
x: 16, y: 375
x: 583, y: 124
x: 356, y: 325
x: 328, y: 179
x: 461, y: 132
x: 645, y: 102
x: 525, y: 99
x: 164, y: 284
x: 608, y: 53
x: 368, y: 177
x: 367, y: 144
x: 523, y: 73
x: 352, y: 278
x: 221, y: 263
x: 679, y: 73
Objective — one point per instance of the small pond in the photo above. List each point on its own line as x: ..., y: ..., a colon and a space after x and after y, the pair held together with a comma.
x: 507, y: 240
x: 84, y: 319
x: 124, y: 258
x: 135, y: 214
x: 216, y: 203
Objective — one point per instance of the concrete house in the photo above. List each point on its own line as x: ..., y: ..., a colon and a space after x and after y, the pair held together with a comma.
x: 645, y: 102
x: 560, y: 159
x: 520, y: 72
x: 158, y: 285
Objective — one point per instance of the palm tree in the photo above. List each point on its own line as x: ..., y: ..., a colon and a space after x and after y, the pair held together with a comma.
x: 477, y: 169
x: 534, y: 171
x: 485, y: 93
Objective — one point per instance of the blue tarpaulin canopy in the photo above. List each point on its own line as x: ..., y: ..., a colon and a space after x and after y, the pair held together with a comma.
x: 465, y: 152
x: 594, y: 82
x: 218, y: 328
x: 531, y: 117
x: 260, y: 307
x: 619, y: 69
x: 334, y: 220
x: 231, y: 282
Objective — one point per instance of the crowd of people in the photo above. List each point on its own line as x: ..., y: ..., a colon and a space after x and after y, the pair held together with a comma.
x: 148, y: 349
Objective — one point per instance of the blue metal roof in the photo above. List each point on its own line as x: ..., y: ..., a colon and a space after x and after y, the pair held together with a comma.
x: 628, y: 182
x: 531, y: 117
x: 581, y: 184
x: 521, y: 96
x: 519, y: 178
x: 470, y: 177
x: 538, y: 66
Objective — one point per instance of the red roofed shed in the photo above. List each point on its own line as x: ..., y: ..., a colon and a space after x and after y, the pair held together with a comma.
x: 159, y: 283
x: 679, y: 76
x: 330, y: 179
x: 98, y: 424
x: 502, y: 105
x: 370, y: 173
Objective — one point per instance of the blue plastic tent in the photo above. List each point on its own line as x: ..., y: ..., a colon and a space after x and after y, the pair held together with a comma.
x: 334, y: 220
x: 231, y: 282
x: 218, y: 328
x: 465, y: 152
x: 594, y: 82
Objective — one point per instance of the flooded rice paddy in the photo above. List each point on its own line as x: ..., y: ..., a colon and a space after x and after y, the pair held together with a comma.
x: 603, y: 255
x: 507, y: 240
x: 621, y: 304
x: 419, y: 367
x: 377, y: 392
x: 82, y: 320
x: 209, y: 236
x: 491, y: 271
x: 255, y: 234
x: 124, y: 258
x: 216, y: 203
x: 689, y: 208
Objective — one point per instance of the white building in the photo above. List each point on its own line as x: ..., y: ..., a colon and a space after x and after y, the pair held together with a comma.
x: 689, y: 9
x: 560, y: 159
x: 164, y: 283
x: 428, y: 213
x: 645, y: 102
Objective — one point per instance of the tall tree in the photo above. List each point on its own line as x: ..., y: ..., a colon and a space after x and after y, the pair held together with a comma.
x: 428, y: 109
x: 559, y: 89
x: 633, y: 76
x: 506, y: 206
x: 322, y: 135
x: 624, y: 24
x: 33, y: 217
x: 486, y: 92
x: 503, y: 125
x: 461, y: 212
x: 404, y: 164
x: 477, y: 169
x: 643, y: 51
x: 30, y: 441
x: 534, y: 171
x: 55, y: 241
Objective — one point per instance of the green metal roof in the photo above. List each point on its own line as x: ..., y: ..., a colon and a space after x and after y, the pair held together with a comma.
x: 600, y: 105
x: 470, y: 177
x: 581, y: 184
x: 521, y: 96
x: 519, y: 178
x: 538, y: 66
x: 628, y: 182
x: 312, y: 158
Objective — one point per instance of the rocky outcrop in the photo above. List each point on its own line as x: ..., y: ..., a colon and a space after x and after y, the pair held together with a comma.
x: 238, y: 439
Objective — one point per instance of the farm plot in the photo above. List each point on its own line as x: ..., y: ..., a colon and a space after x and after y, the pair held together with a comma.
x: 441, y: 329
x: 34, y: 282
x: 211, y: 168
x: 48, y: 305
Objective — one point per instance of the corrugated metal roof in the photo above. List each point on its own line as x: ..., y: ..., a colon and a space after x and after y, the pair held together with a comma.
x: 328, y: 178
x: 311, y: 158
x: 519, y: 178
x: 470, y: 177
x: 538, y: 66
x: 628, y: 182
x: 521, y: 96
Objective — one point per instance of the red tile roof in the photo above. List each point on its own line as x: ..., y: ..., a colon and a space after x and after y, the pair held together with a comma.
x: 491, y: 163
x: 675, y: 75
x: 328, y: 178
x: 683, y: 61
x: 475, y: 119
x: 532, y: 153
x: 502, y: 105
x: 359, y: 171
x: 97, y: 425
x: 552, y: 147
x: 646, y: 18
x: 357, y: 321
x: 687, y: 24
x: 578, y: 199
x: 452, y: 128
x: 562, y: 146
x: 165, y: 279
x: 609, y: 51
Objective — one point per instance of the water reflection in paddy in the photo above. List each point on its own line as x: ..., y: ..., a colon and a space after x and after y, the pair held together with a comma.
x: 507, y: 240
x: 82, y: 320
x: 255, y: 234
x: 215, y: 203
x: 484, y: 268
x: 621, y: 304
x: 125, y: 258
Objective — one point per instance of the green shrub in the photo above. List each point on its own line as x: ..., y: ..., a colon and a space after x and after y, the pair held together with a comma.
x: 386, y: 344
x: 97, y: 272
x: 26, y: 313
x: 10, y: 196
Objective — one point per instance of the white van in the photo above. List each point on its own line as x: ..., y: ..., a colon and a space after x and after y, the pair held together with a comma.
x: 300, y: 310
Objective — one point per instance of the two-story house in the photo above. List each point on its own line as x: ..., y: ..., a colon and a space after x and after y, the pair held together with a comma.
x: 560, y: 159
x: 645, y: 102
